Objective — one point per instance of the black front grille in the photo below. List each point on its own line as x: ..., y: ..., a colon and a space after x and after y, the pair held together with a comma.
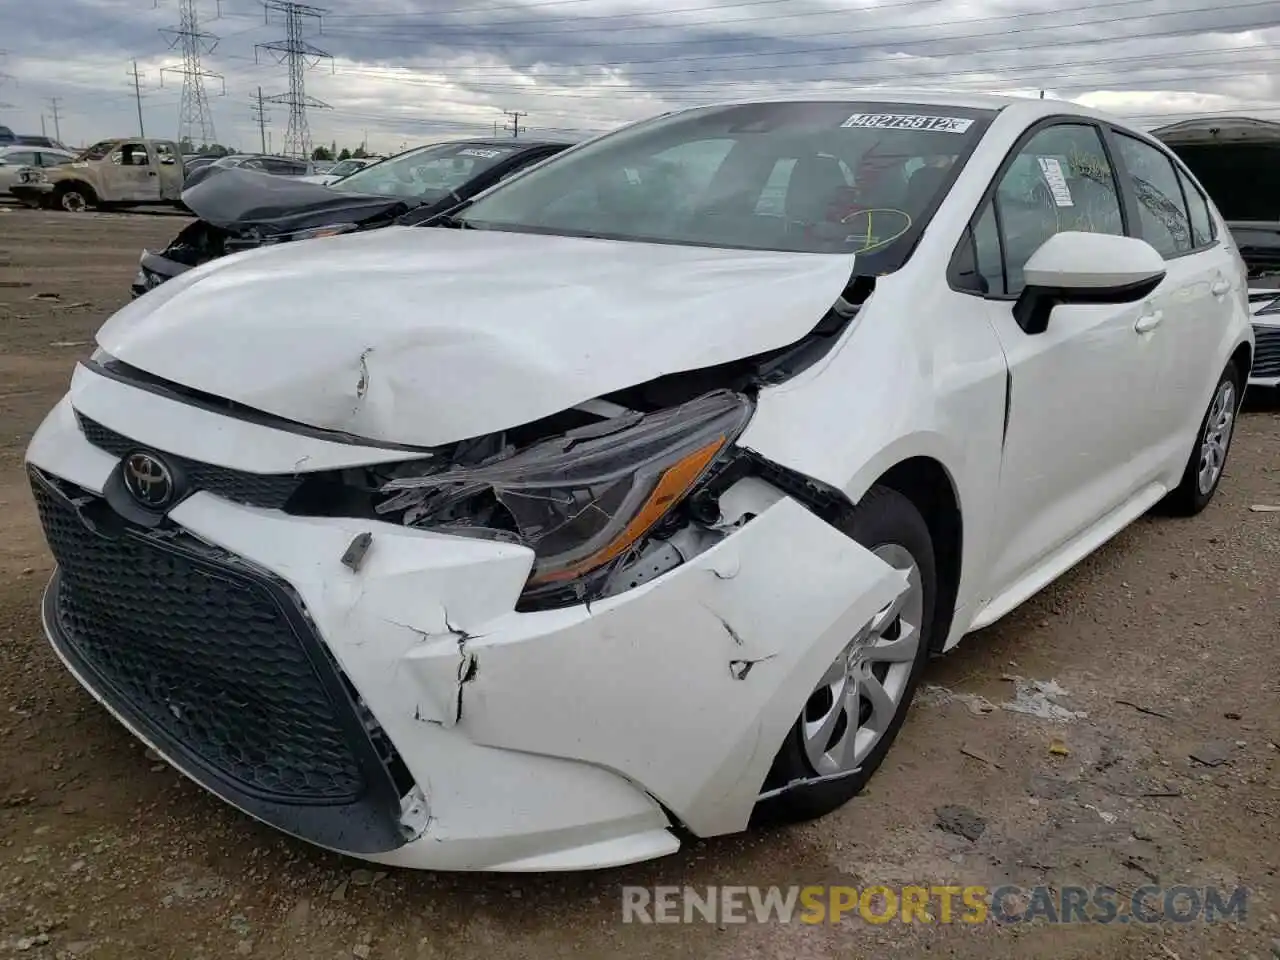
x: 257, y: 489
x: 1266, y: 354
x: 218, y: 665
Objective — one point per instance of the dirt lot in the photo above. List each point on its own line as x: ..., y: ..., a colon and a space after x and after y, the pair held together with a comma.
x: 1167, y: 640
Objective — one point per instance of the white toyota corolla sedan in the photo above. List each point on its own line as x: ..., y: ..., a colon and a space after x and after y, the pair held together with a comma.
x: 629, y: 501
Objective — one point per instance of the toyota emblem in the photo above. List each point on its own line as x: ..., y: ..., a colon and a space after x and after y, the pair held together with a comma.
x: 148, y: 480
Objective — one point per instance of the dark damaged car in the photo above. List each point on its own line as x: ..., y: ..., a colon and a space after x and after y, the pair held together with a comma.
x: 241, y: 209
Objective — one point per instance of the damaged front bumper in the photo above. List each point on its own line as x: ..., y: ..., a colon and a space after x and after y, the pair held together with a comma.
x: 153, y: 270
x: 32, y: 194
x: 452, y: 731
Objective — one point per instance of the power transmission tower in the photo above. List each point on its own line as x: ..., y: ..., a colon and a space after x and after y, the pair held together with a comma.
x: 299, y: 54
x: 57, y: 128
x: 260, y: 117
x: 137, y: 96
x: 514, y: 126
x: 195, y: 119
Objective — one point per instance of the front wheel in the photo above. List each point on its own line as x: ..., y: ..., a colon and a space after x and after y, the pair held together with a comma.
x: 854, y: 713
x: 72, y: 199
x: 1204, y: 467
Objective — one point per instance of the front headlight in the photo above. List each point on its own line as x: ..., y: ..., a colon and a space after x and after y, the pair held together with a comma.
x: 583, y: 499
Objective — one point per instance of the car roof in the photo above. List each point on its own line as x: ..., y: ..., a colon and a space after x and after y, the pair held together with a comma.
x: 32, y: 147
x: 511, y: 142
x: 1027, y: 108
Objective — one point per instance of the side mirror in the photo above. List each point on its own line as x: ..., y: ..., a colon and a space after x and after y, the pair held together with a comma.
x: 167, y: 161
x: 1076, y: 267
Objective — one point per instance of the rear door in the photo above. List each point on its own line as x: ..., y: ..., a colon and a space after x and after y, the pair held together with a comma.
x: 170, y: 169
x: 1194, y: 303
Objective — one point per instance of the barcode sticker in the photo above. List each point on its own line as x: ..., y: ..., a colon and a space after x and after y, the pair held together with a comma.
x: 1052, y: 171
x: 902, y: 121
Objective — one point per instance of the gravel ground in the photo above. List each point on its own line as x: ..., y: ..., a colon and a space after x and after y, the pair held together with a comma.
x: 1160, y: 646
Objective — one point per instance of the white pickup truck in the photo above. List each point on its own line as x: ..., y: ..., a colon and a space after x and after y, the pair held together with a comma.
x: 122, y: 172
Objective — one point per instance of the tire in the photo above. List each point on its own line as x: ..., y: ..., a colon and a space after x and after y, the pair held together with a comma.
x: 72, y: 198
x: 1194, y: 490
x: 887, y: 522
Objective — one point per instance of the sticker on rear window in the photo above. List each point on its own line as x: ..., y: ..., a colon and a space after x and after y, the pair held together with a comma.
x: 903, y: 121
x: 477, y: 152
x: 1052, y: 171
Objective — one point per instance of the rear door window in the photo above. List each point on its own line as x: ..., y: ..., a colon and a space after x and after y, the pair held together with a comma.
x: 1162, y: 212
x: 1202, y: 231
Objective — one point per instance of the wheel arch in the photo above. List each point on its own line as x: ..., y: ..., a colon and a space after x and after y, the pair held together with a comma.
x: 1242, y: 357
x: 91, y: 195
x: 927, y: 483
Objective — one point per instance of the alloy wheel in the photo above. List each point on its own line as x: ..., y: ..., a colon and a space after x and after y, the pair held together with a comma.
x: 858, y: 697
x: 1217, y: 435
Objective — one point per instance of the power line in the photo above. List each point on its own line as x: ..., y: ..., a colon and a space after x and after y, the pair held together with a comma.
x: 539, y: 24
x: 195, y: 118
x: 137, y: 96
x: 299, y: 54
x: 467, y: 8
x: 538, y: 30
x: 843, y: 50
x: 1048, y: 75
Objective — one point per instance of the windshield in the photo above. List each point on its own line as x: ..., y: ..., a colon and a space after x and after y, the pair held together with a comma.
x: 427, y: 173
x: 97, y: 151
x: 345, y: 168
x: 820, y: 177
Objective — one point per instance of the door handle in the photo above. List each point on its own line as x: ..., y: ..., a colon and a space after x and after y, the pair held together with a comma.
x: 1220, y: 288
x: 151, y: 173
x: 1149, y: 321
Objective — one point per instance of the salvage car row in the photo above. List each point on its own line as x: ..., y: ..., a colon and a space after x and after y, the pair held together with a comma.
x: 627, y: 495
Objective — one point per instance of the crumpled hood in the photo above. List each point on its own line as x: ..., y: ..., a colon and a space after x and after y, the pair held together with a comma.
x: 425, y: 336
x: 237, y: 199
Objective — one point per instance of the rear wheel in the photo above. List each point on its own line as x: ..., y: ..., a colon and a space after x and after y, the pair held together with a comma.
x: 857, y: 708
x: 1204, y: 467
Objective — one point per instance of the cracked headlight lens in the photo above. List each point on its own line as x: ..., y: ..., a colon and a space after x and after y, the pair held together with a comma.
x: 583, y: 499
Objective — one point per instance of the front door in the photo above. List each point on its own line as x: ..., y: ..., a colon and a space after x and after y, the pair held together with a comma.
x: 1080, y: 439
x: 134, y: 178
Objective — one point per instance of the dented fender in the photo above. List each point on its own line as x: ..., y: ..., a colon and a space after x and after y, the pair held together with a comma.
x: 686, y: 685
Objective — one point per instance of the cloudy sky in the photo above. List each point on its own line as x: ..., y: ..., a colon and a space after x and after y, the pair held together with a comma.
x: 408, y: 71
